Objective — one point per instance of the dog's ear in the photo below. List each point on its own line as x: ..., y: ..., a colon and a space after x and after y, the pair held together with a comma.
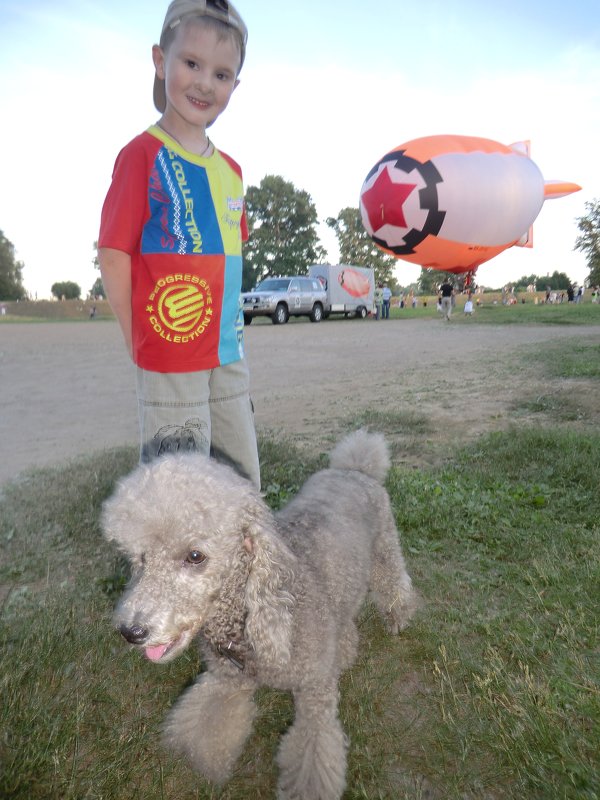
x: 269, y: 590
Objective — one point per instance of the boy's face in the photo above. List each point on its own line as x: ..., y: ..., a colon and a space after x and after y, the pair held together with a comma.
x: 199, y: 70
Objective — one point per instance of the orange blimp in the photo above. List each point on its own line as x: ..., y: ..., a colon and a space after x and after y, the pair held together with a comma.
x: 453, y: 202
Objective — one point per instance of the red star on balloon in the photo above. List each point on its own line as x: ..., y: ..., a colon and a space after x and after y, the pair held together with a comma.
x: 384, y: 200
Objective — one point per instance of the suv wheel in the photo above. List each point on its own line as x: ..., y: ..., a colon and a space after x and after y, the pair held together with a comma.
x: 281, y: 315
x: 247, y: 319
x: 316, y: 315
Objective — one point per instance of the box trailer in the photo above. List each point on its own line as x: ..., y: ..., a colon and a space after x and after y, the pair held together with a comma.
x: 349, y: 289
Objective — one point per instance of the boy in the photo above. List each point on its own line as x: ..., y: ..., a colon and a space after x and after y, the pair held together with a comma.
x: 170, y: 243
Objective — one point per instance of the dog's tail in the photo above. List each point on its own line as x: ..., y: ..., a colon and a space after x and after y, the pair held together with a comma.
x: 363, y: 452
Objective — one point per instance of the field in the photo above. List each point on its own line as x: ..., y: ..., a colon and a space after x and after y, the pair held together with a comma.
x: 70, y: 387
x: 492, y: 693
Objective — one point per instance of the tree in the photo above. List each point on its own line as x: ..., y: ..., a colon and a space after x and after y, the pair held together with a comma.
x: 66, y: 290
x: 357, y: 247
x: 528, y: 280
x: 97, y: 289
x: 11, y: 280
x: 429, y: 280
x: 283, y: 238
x: 558, y: 280
x: 589, y: 240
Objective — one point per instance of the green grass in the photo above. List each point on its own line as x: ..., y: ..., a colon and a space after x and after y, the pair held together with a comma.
x: 561, y: 408
x: 491, y: 311
x: 511, y: 540
x: 492, y: 693
x: 573, y: 400
x: 54, y: 311
x: 580, y: 360
x: 530, y: 314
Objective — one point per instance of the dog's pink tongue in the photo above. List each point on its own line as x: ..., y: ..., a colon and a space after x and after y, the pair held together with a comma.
x: 156, y: 653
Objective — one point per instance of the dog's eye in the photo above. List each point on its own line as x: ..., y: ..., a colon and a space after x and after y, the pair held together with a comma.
x: 195, y: 557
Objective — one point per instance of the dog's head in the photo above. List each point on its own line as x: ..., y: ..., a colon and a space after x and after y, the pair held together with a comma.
x: 205, y: 555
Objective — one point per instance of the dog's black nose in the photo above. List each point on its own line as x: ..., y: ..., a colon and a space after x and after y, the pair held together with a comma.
x: 134, y: 635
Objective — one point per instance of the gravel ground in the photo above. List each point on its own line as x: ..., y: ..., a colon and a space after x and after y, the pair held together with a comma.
x: 68, y: 388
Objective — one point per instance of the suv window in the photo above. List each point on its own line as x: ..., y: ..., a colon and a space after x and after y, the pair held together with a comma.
x: 273, y: 285
x: 294, y: 286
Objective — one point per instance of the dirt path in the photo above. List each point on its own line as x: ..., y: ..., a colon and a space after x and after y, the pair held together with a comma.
x: 68, y: 388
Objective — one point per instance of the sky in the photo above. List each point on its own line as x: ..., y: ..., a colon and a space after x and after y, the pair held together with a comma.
x: 326, y: 90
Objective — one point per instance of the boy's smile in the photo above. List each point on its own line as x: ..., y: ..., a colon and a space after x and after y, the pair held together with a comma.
x: 200, y: 74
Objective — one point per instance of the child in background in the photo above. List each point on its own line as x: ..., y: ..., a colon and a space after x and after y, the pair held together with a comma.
x: 170, y: 247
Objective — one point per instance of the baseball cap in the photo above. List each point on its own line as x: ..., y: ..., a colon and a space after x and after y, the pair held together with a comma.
x: 218, y: 9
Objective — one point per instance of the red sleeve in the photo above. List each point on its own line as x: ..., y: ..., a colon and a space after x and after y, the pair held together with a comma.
x: 125, y: 208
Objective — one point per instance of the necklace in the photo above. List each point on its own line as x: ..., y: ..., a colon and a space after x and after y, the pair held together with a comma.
x: 175, y: 139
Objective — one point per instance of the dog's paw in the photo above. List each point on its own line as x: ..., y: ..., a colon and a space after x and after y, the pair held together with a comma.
x: 206, y: 708
x: 398, y: 616
x: 312, y: 762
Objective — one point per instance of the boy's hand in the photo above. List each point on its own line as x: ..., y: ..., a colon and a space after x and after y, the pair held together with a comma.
x: 115, y: 268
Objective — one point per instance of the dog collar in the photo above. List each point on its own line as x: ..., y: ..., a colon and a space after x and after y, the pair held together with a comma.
x: 232, y: 652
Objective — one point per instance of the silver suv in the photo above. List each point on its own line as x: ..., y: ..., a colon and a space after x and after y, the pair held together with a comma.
x: 285, y: 297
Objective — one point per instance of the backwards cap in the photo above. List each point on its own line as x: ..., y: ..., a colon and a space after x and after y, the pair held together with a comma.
x: 218, y: 9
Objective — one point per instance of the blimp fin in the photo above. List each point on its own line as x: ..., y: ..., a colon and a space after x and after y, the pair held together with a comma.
x: 523, y: 148
x: 527, y: 239
x: 554, y: 189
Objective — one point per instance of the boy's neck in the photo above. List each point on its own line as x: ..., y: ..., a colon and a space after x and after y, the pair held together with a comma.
x: 196, y: 142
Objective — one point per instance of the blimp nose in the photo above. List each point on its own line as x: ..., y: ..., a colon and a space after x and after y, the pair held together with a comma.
x: 555, y: 189
x: 135, y: 634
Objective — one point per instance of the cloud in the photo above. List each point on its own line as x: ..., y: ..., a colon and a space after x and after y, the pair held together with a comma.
x: 325, y: 136
x: 84, y: 90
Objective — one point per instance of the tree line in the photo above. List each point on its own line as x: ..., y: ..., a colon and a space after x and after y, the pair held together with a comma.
x: 284, y: 239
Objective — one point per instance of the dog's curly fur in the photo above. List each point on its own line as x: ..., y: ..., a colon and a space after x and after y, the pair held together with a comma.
x: 273, y: 598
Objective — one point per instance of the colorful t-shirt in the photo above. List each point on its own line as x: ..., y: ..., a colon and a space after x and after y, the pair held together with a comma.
x: 181, y: 218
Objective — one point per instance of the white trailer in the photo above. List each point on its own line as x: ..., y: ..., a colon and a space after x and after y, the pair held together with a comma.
x: 349, y: 289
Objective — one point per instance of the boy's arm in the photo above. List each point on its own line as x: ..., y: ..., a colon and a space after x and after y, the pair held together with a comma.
x: 115, y: 268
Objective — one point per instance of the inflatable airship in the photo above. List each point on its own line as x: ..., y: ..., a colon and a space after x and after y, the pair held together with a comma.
x: 453, y: 202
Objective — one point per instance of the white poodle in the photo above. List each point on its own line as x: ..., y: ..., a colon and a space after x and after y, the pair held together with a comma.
x: 272, y: 597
